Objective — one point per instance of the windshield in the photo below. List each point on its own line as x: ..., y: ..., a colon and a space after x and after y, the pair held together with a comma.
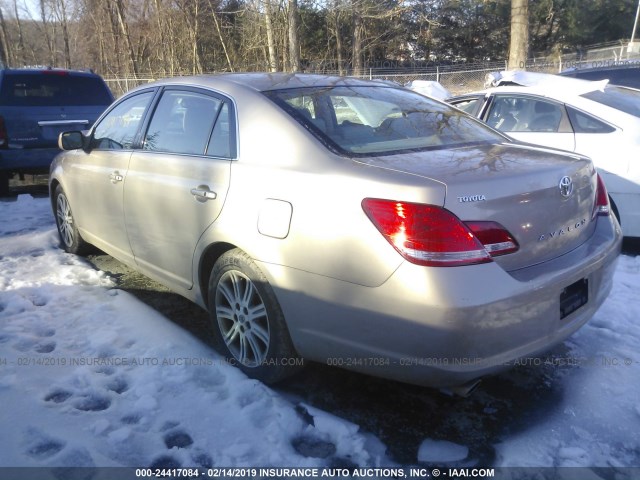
x: 620, y: 98
x: 380, y: 120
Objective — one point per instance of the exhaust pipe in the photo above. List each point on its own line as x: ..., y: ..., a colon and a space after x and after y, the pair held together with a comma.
x: 464, y: 390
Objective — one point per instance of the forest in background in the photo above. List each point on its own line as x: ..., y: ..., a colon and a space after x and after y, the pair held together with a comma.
x: 170, y: 37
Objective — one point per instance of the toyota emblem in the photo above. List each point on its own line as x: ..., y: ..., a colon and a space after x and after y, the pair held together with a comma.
x: 566, y: 187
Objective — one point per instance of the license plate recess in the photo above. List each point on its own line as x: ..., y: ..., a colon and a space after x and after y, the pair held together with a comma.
x: 573, y: 297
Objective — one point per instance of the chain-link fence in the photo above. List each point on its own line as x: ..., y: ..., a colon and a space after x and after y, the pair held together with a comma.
x: 457, y: 78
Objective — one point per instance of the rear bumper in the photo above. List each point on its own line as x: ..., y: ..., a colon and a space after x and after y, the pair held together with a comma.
x: 27, y: 159
x: 444, y: 326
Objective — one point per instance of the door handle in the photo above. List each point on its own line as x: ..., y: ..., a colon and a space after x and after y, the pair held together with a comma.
x: 202, y: 193
x: 115, y: 177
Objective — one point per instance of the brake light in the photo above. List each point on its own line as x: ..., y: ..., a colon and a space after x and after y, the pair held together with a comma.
x: 601, y: 206
x: 4, y: 137
x: 55, y: 72
x: 496, y: 239
x: 425, y: 234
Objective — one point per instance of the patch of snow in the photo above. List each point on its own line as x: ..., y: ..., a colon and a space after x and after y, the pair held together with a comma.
x: 433, y: 451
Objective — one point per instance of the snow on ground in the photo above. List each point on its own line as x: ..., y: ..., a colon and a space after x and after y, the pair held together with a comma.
x: 165, y: 399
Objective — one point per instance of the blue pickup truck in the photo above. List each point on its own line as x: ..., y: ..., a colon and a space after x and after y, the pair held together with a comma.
x: 36, y: 104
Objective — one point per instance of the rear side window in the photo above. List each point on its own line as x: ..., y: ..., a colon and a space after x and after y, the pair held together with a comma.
x: 583, y: 123
x: 521, y: 114
x: 182, y: 123
x: 53, y: 90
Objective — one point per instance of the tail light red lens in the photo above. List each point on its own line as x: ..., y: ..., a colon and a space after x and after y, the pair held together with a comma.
x: 601, y: 206
x: 425, y: 234
x: 495, y: 238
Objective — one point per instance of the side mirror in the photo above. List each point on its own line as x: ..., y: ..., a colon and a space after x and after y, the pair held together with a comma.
x: 71, y: 140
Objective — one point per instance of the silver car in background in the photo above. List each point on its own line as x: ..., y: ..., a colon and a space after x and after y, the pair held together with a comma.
x: 343, y: 221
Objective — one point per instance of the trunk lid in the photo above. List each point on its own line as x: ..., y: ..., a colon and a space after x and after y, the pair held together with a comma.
x: 544, y: 198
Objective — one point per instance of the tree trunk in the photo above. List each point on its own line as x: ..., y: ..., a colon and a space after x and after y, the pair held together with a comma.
x: 294, y: 44
x: 273, y: 61
x: 336, y: 26
x: 7, y: 54
x: 220, y: 37
x: 21, y: 48
x: 65, y: 33
x: 519, y: 44
x: 358, y: 33
x: 127, y: 38
x: 47, y: 37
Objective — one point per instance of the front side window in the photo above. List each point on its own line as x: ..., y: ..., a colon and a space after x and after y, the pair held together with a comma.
x: 117, y: 130
x: 363, y: 120
x: 522, y: 114
x: 182, y: 123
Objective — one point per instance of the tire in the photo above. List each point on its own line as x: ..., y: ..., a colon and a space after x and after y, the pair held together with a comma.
x: 246, y: 322
x: 4, y: 184
x: 70, y: 238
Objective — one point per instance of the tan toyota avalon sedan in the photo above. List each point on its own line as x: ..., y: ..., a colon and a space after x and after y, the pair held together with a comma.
x: 349, y: 222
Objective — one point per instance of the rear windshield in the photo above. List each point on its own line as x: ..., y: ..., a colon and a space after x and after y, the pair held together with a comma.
x: 52, y: 90
x: 380, y: 120
x: 620, y: 98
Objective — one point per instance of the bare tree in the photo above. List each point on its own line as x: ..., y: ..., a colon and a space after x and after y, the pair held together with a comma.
x: 45, y: 31
x: 124, y: 27
x: 6, y: 52
x: 294, y: 44
x: 271, y: 44
x: 21, y: 49
x: 60, y: 10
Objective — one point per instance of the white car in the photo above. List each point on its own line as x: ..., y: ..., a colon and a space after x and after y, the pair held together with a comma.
x: 595, y: 119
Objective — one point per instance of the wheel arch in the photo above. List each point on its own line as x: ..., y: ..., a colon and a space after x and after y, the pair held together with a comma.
x: 208, y: 259
x: 52, y: 192
x: 614, y: 209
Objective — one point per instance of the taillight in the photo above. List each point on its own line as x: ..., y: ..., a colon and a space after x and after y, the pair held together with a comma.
x: 495, y: 238
x: 4, y: 138
x: 425, y: 234
x: 601, y: 206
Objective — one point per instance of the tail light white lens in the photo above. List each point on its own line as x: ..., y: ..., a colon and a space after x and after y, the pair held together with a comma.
x: 602, y: 200
x: 425, y: 234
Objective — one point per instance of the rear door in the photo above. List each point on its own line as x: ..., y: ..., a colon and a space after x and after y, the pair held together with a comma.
x: 177, y: 183
x: 531, y: 119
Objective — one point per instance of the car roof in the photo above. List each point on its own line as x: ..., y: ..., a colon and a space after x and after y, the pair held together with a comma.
x: 542, y: 84
x: 41, y: 70
x: 546, y: 81
x: 269, y: 81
